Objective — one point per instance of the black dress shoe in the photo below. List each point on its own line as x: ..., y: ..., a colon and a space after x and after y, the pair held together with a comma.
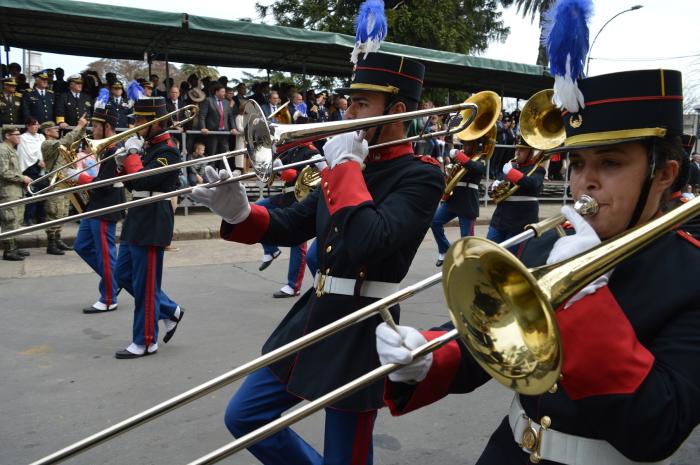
x: 12, y: 256
x: 169, y: 335
x: 23, y: 253
x: 125, y: 354
x: 283, y: 295
x: 439, y: 262
x: 92, y: 309
x: 264, y: 265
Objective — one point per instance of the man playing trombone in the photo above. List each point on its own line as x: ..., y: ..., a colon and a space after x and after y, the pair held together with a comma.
x: 369, y: 224
x: 628, y: 391
x: 147, y: 230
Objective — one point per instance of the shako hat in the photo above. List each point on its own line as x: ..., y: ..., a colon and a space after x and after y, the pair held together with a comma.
x: 150, y: 106
x: 106, y: 114
x: 389, y: 74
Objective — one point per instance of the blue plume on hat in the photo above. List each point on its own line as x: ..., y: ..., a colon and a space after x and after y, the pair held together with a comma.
x: 134, y: 91
x: 565, y: 35
x: 370, y: 28
x: 102, y: 98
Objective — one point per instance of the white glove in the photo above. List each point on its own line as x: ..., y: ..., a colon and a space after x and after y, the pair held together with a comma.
x: 507, y: 167
x: 297, y: 114
x: 276, y: 163
x: 229, y: 201
x: 495, y: 184
x: 350, y: 146
x: 133, y: 143
x: 71, y: 172
x: 391, y: 350
x: 453, y: 152
x: 119, y: 157
x: 569, y: 246
x: 321, y: 165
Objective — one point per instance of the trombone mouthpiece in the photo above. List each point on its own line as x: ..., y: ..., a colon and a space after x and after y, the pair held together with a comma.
x: 586, y: 205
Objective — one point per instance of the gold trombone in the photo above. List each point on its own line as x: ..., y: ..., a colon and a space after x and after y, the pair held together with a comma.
x: 485, y: 125
x: 585, y: 206
x: 96, y: 147
x: 542, y: 128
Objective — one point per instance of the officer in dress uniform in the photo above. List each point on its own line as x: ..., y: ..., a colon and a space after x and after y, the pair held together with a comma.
x: 39, y: 102
x: 96, y: 240
x: 630, y: 378
x: 52, y: 150
x: 10, y: 102
x: 147, y: 230
x: 121, y: 104
x: 464, y: 201
x: 12, y: 185
x: 369, y: 224
x: 522, y: 208
x: 73, y: 104
x: 291, y: 153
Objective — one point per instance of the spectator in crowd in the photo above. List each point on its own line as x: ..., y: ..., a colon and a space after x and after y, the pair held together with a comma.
x: 167, y: 84
x: 10, y: 102
x: 193, y: 81
x: 240, y: 160
x: 22, y: 84
x: 206, y: 86
x: 156, y: 80
x: 318, y: 112
x: 215, y: 114
x: 173, y: 103
x: 195, y: 173
x: 194, y: 96
x: 50, y: 74
x: 31, y: 164
x: 147, y: 88
x: 15, y: 69
x: 299, y: 109
x: 262, y: 93
x: 240, y: 93
x: 11, y: 188
x: 111, y: 78
x: 121, y: 104
x: 184, y: 88
x: 74, y: 104
x: 341, y: 108
x: 39, y: 103
x: 91, y: 85
x: 694, y: 179
x: 60, y: 86
x: 229, y: 96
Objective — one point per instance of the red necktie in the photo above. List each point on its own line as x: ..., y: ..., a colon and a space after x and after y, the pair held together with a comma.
x: 221, y: 116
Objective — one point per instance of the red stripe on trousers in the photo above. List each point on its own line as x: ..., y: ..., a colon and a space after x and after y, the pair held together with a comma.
x: 106, y: 265
x: 302, y: 268
x: 149, y: 306
x: 363, y: 436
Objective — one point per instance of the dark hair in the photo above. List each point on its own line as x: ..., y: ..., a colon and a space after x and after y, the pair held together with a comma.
x: 30, y: 121
x: 216, y: 86
x: 671, y: 148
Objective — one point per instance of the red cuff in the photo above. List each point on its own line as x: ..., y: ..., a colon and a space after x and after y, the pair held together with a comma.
x: 462, y: 158
x: 132, y: 163
x: 437, y: 384
x: 288, y: 175
x: 344, y: 186
x: 84, y: 178
x: 251, y: 231
x: 514, y: 176
x: 602, y: 355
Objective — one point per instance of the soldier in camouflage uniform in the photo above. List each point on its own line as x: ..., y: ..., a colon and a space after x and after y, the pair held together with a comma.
x: 57, y: 207
x: 12, y: 183
x: 10, y: 102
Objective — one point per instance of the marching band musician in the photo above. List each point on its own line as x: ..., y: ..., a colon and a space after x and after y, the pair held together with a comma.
x: 57, y: 207
x: 463, y: 203
x: 369, y: 224
x: 96, y: 239
x: 630, y: 379
x: 147, y: 230
x: 289, y: 153
x: 517, y: 211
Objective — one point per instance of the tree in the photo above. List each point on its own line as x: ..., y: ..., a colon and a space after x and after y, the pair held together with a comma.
x: 533, y: 8
x: 126, y: 70
x: 200, y: 70
x: 461, y: 26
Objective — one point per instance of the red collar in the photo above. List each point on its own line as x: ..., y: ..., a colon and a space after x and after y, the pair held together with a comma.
x: 283, y: 148
x: 389, y: 153
x: 159, y: 138
x: 676, y: 195
x: 528, y: 162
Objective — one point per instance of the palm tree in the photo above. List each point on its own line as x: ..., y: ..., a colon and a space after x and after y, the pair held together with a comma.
x: 200, y: 70
x: 533, y: 8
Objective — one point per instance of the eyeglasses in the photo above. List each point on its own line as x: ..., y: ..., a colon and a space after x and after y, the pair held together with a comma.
x: 15, y: 134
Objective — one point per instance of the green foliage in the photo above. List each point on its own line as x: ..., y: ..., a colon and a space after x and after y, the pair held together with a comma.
x: 200, y: 70
x: 461, y: 26
x: 297, y: 80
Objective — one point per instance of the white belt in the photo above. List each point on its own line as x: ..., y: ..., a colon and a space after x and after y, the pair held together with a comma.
x: 118, y: 184
x: 325, y: 284
x: 564, y: 448
x: 286, y: 190
x: 144, y: 194
x: 520, y: 198
x: 471, y: 185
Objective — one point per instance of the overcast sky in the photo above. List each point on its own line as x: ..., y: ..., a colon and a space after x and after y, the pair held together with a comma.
x: 646, y: 38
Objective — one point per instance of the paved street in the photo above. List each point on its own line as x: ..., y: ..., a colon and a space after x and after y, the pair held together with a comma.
x: 60, y: 381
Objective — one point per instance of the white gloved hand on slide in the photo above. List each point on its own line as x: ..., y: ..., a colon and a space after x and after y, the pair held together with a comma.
x: 393, y: 347
x: 229, y: 201
x: 350, y: 146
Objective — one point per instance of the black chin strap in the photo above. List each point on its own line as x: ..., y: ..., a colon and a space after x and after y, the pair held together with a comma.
x: 644, y: 194
x: 378, y: 130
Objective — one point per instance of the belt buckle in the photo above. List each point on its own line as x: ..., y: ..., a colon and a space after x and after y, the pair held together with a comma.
x: 531, y: 439
x: 320, y: 285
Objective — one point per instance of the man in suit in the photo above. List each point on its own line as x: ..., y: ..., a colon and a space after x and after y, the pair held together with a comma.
x: 339, y: 113
x: 39, y: 103
x: 273, y: 106
x: 173, y: 103
x: 75, y: 103
x: 215, y: 115
x: 122, y: 105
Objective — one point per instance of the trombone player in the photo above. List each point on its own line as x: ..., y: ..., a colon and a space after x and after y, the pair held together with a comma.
x: 630, y: 378
x: 57, y: 207
x: 369, y: 224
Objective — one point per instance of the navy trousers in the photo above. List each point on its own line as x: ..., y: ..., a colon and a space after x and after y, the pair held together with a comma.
x: 96, y: 245
x: 441, y: 217
x: 263, y: 398
x: 140, y: 272
x: 500, y: 235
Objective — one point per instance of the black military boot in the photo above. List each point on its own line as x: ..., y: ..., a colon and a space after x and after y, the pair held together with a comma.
x: 52, y: 248
x: 60, y: 244
x: 12, y: 256
x: 23, y: 253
